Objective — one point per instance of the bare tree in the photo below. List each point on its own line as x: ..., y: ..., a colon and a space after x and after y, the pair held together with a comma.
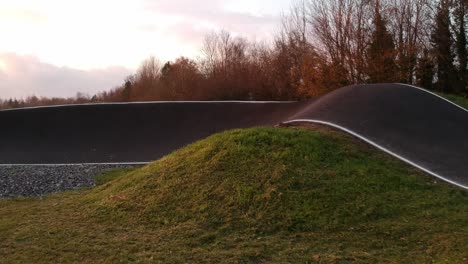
x: 341, y: 32
x: 410, y: 23
x: 146, y: 80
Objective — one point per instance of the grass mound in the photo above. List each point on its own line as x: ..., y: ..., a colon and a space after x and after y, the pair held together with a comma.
x: 250, y: 196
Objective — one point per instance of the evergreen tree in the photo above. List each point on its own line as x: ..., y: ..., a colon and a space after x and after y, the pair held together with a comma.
x: 381, y: 52
x: 443, y: 48
x: 127, y: 91
x: 425, y: 71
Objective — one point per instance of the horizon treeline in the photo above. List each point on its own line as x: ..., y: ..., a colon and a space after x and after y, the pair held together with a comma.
x: 322, y: 46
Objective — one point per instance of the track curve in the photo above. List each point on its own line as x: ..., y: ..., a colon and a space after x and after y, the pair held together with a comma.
x: 412, y: 124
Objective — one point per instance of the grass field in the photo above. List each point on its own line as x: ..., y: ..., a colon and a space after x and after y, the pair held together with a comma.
x: 271, y: 195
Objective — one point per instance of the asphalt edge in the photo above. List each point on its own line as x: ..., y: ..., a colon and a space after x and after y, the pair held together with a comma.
x: 76, y: 164
x: 145, y: 102
x: 372, y: 143
x: 434, y: 94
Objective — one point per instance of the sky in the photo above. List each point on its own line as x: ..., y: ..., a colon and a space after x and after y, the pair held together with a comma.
x: 61, y: 47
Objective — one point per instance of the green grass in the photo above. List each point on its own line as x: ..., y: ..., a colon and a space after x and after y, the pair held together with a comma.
x: 248, y: 196
x: 457, y: 99
x: 111, y: 175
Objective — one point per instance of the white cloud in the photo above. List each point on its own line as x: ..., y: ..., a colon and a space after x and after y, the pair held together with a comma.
x: 21, y: 76
x: 73, y: 37
x: 216, y: 14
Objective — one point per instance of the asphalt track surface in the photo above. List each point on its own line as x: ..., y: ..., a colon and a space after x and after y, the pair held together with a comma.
x: 409, y: 123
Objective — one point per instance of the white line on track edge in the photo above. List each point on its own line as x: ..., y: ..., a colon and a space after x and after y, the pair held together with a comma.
x: 436, y: 95
x: 145, y: 102
x: 378, y: 147
x: 75, y: 164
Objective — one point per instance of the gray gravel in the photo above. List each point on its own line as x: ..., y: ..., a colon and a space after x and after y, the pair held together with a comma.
x: 34, y: 181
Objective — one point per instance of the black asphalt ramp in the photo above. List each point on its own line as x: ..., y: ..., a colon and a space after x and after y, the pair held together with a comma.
x: 108, y: 133
x: 407, y: 122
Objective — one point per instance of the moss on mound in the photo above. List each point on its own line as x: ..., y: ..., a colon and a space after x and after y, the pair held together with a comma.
x: 257, y: 195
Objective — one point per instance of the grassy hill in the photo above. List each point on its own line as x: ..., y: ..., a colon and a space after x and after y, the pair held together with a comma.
x: 248, y: 196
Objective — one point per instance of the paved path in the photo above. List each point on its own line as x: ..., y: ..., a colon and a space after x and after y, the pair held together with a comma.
x: 409, y: 123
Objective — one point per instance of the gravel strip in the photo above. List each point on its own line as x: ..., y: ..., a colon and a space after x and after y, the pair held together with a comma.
x: 34, y: 181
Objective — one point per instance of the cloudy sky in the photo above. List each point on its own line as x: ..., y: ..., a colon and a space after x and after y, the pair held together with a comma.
x: 60, y: 47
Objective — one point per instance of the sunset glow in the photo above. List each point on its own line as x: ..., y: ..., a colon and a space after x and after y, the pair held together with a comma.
x: 3, y: 66
x: 88, y: 35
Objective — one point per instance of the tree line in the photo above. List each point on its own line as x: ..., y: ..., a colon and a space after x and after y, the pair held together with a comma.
x: 322, y: 46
